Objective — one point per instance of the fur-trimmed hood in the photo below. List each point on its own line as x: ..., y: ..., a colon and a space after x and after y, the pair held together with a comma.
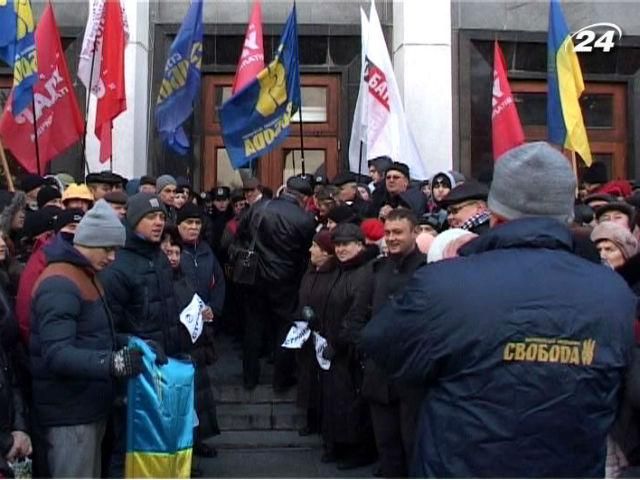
x: 10, y: 204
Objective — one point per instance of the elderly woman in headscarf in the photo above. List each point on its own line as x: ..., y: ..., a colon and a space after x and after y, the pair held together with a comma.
x: 615, y: 244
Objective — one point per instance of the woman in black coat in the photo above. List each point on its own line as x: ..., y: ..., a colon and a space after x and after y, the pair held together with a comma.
x: 346, y: 426
x: 314, y: 290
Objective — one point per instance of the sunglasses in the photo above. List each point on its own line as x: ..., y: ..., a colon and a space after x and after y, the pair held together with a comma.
x: 440, y: 184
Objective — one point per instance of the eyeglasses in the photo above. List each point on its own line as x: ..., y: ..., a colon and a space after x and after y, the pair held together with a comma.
x: 453, y: 209
x: 394, y: 177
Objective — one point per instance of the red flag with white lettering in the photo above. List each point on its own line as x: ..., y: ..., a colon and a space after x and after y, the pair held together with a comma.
x: 59, y: 120
x: 252, y: 57
x: 113, y: 100
x: 505, y: 122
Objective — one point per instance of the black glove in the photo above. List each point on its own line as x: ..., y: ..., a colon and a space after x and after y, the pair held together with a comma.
x: 161, y: 357
x: 309, y: 315
x: 126, y: 362
x: 328, y: 353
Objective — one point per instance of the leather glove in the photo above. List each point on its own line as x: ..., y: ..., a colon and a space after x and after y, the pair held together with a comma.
x: 126, y: 363
x: 309, y: 315
x: 161, y: 357
x: 328, y: 353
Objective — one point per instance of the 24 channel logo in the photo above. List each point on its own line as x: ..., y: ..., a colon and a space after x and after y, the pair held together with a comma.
x: 599, y: 36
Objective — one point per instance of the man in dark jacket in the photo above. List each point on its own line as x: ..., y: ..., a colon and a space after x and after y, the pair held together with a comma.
x: 522, y: 345
x: 348, y: 194
x: 399, y: 193
x: 394, y: 408
x: 73, y: 343
x: 282, y: 232
x: 466, y: 206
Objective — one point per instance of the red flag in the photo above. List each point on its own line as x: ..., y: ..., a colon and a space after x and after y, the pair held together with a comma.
x: 252, y: 58
x: 59, y: 120
x: 505, y: 122
x: 113, y: 100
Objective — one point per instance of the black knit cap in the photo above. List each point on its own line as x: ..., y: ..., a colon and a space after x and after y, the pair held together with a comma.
x: 31, y: 182
x: 46, y: 194
x: 403, y: 168
x: 188, y: 210
x: 41, y: 221
x: 70, y: 215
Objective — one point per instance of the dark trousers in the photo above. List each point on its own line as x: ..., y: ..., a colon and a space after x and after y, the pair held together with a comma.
x: 394, y: 427
x: 269, y: 309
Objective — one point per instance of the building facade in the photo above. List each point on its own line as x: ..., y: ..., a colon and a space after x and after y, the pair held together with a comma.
x: 443, y: 58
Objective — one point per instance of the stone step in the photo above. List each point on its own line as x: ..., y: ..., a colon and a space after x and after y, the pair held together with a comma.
x: 261, y: 394
x: 241, y: 439
x: 259, y: 416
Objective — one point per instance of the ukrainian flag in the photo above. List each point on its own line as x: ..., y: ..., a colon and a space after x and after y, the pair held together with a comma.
x: 160, y: 418
x: 565, y: 85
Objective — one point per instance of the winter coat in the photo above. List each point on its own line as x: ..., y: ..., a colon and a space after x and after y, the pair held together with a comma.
x: 390, y: 275
x: 202, y: 268
x: 283, y: 239
x: 344, y: 412
x: 523, y: 347
x: 314, y: 291
x: 139, y: 289
x: 32, y: 270
x: 72, y: 340
x: 216, y: 223
x: 412, y: 198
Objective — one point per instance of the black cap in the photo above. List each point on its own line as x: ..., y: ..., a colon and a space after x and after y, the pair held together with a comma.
x: 103, y: 177
x: 403, y: 168
x: 31, y: 182
x: 342, y: 214
x: 188, y: 210
x: 117, y: 197
x: 623, y: 207
x: 46, y: 194
x: 347, y: 232
x: 321, y: 180
x: 596, y: 173
x: 70, y: 215
x: 220, y: 193
x: 470, y: 190
x: 344, y: 178
x: 604, y: 197
x: 237, y: 195
x: 40, y: 221
x: 300, y: 185
x: 148, y: 180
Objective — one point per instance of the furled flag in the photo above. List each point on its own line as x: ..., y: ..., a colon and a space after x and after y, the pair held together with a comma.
x: 252, y: 57
x: 181, y: 82
x: 113, y: 100
x: 358, y: 141
x: 565, y: 85
x: 387, y: 130
x: 18, y: 49
x: 505, y: 123
x: 59, y: 121
x: 257, y: 119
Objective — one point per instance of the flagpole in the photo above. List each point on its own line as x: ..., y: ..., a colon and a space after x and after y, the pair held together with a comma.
x: 5, y: 167
x: 360, y: 162
x: 301, y: 138
x: 111, y: 156
x: 35, y: 134
x: 574, y: 164
x: 86, y: 116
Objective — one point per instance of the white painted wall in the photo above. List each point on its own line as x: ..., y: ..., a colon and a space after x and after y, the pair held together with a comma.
x: 130, y: 128
x: 422, y: 63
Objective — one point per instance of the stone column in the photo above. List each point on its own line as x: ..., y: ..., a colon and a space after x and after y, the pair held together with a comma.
x: 422, y: 63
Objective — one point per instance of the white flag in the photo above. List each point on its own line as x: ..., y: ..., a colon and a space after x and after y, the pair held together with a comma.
x: 92, y: 40
x: 358, y: 156
x: 387, y: 131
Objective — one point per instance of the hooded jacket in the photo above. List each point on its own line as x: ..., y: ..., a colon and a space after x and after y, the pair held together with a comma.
x: 522, y: 346
x: 72, y: 340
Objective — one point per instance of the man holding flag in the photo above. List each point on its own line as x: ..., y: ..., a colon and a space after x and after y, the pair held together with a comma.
x: 181, y: 82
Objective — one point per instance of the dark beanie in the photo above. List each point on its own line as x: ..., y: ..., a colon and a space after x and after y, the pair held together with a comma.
x: 41, y: 221
x: 188, y: 210
x: 68, y: 216
x: 596, y: 173
x: 324, y: 241
x: 342, y: 214
x: 148, y: 180
x: 347, y: 232
x: 403, y: 168
x: 140, y: 205
x: 46, y: 194
x: 31, y: 182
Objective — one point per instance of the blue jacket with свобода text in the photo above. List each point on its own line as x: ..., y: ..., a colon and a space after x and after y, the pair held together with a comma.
x: 522, y: 346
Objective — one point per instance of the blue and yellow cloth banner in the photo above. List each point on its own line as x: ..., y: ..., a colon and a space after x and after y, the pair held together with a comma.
x: 257, y: 118
x: 18, y: 50
x: 565, y: 85
x: 181, y: 82
x: 160, y: 418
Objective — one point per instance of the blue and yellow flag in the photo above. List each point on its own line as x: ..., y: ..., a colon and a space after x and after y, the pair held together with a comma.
x: 160, y: 418
x: 257, y: 118
x: 18, y: 50
x: 181, y: 82
x: 565, y: 85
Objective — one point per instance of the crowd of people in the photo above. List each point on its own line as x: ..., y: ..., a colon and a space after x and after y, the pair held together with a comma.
x: 470, y: 328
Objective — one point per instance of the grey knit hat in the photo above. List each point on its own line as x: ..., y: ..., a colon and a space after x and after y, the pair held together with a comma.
x: 140, y: 204
x: 533, y: 180
x: 163, y: 181
x: 100, y: 227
